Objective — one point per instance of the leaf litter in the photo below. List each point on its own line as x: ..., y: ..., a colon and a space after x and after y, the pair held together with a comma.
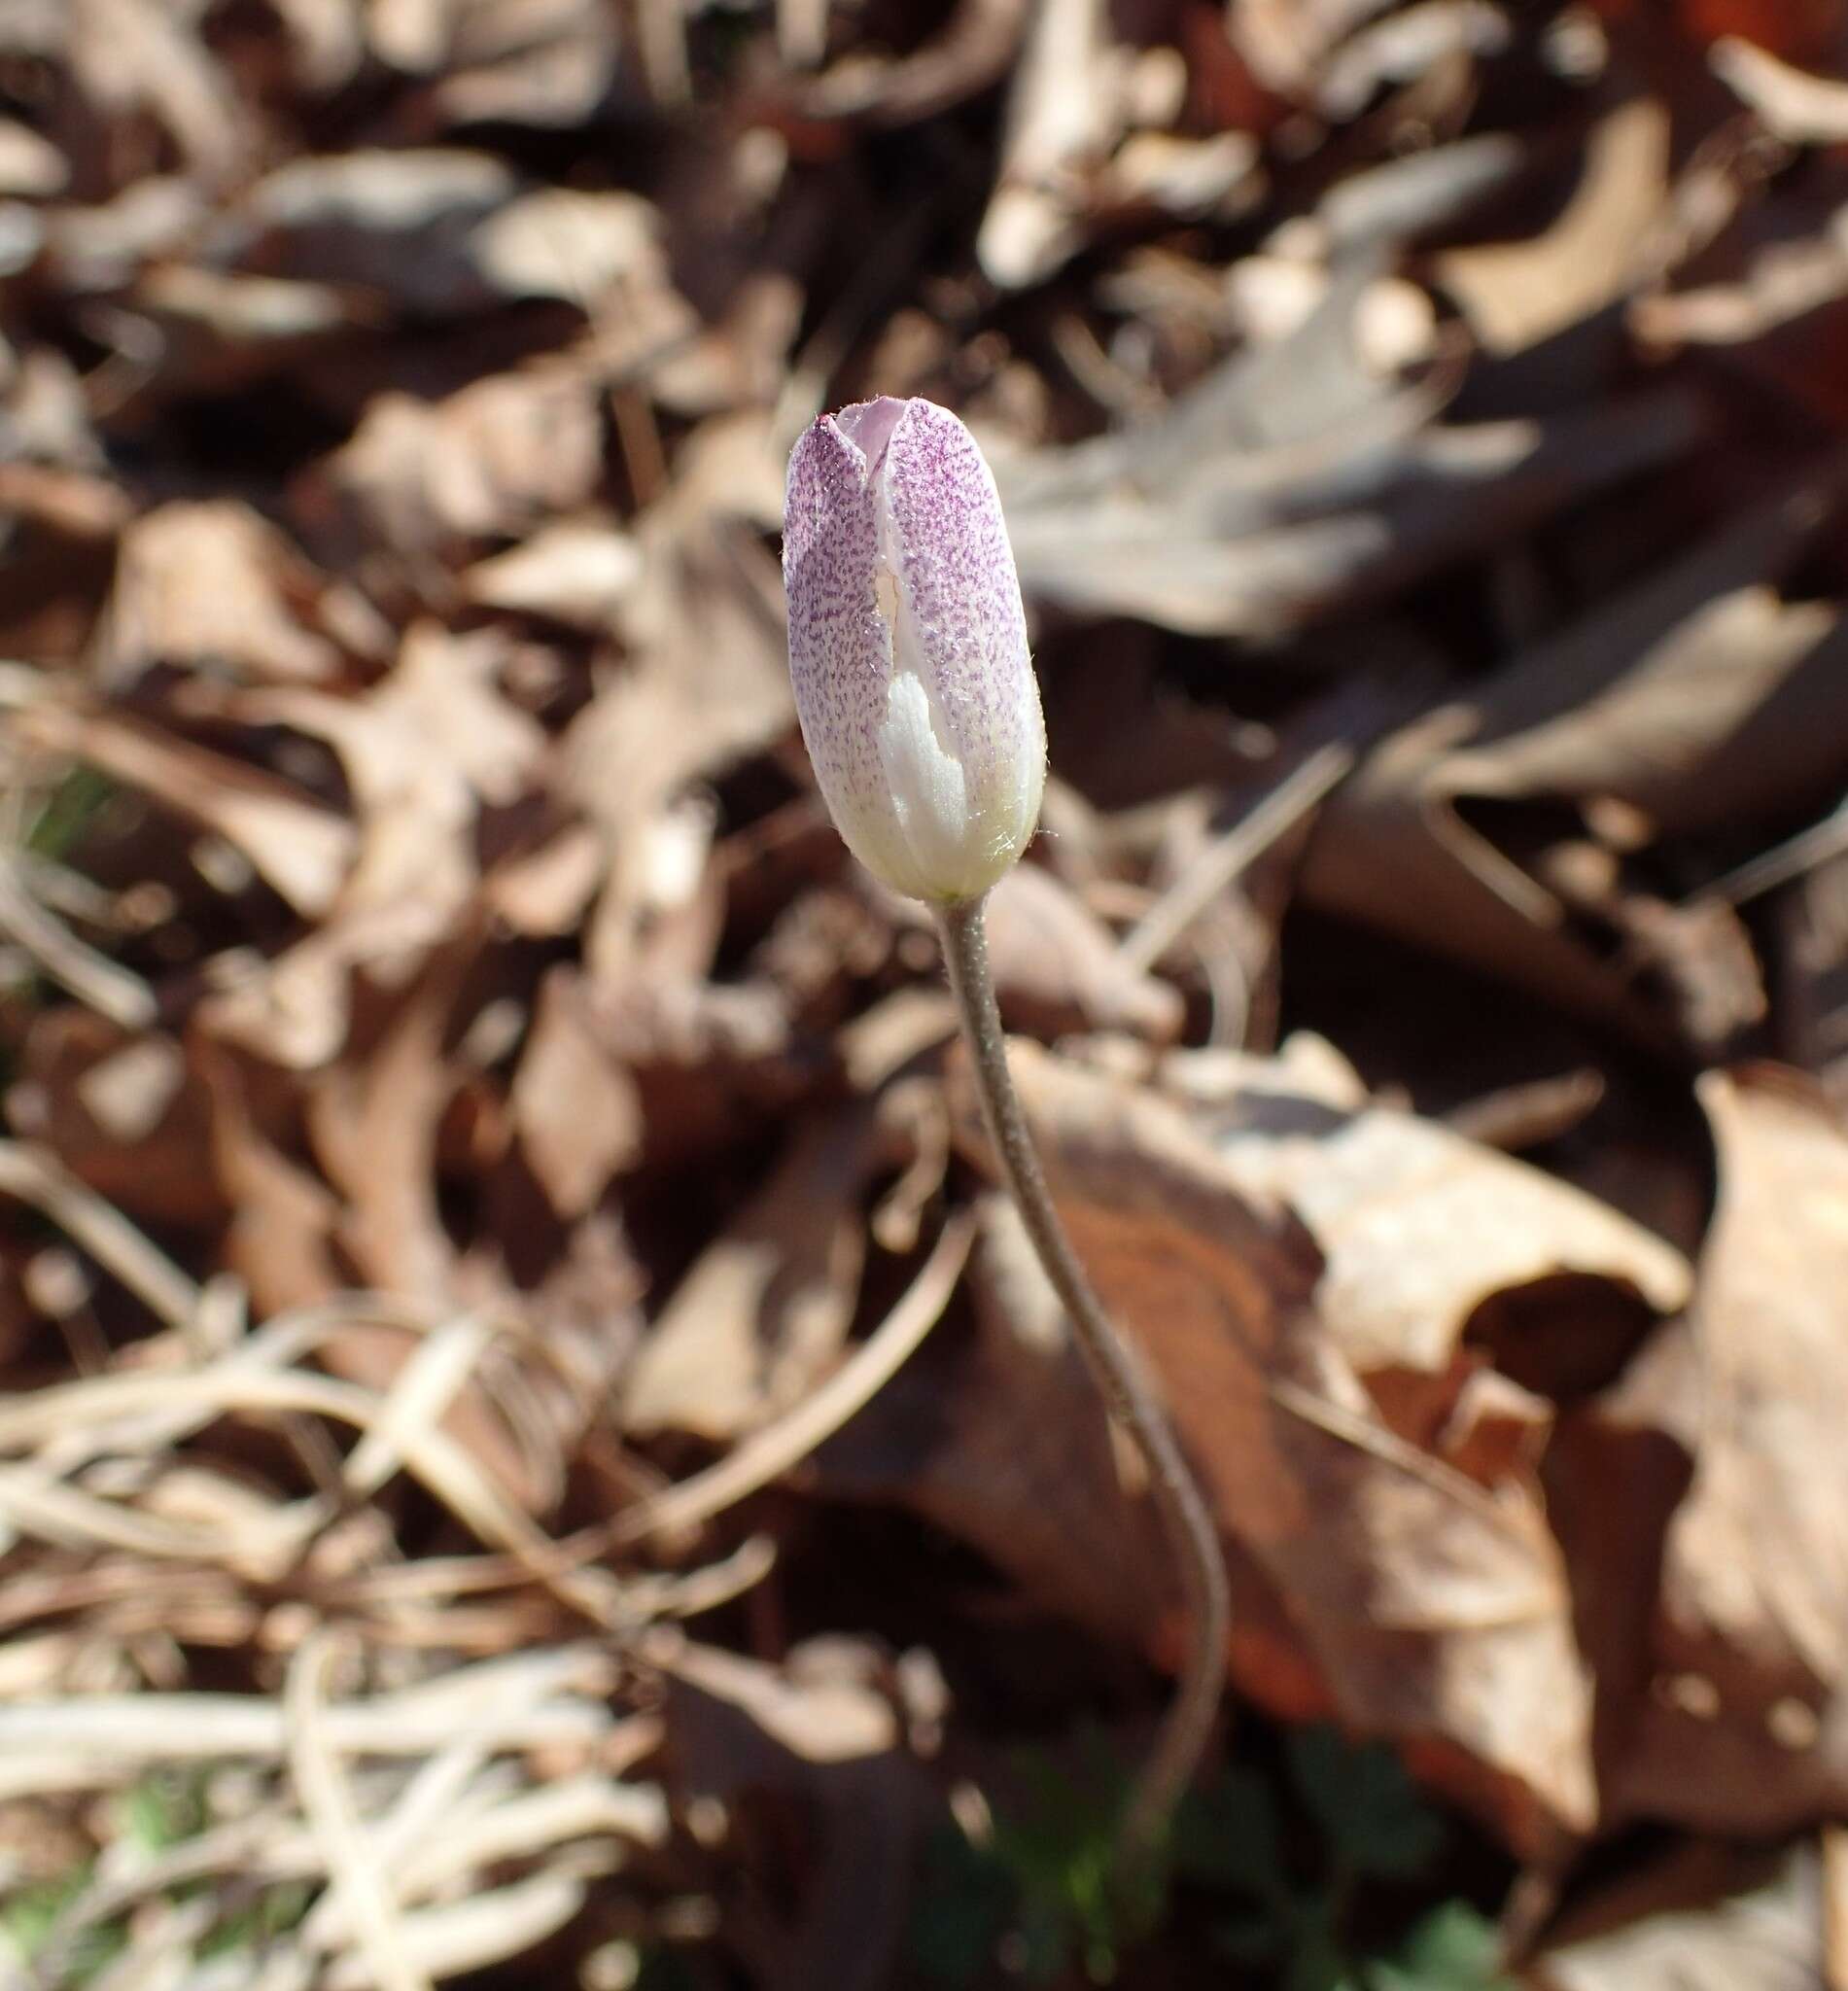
x: 531, y: 1450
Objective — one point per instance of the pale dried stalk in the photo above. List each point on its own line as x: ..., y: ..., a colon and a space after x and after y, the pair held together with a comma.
x: 772, y: 1452
x: 37, y: 1177
x: 326, y: 1802
x: 95, y: 980
x: 1229, y: 855
x: 488, y: 1926
x: 1128, y: 1394
x: 554, y: 1700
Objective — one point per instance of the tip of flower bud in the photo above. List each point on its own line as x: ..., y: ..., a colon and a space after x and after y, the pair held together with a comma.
x: 908, y: 647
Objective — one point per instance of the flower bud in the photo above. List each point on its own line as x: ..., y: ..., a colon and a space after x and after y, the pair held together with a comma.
x: 908, y: 648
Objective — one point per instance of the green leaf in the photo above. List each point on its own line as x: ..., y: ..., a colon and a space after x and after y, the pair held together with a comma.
x: 29, y: 1916
x: 1228, y: 1835
x: 664, y: 1970
x: 1452, y: 1949
x: 1378, y: 1826
x: 165, y: 1807
x: 69, y: 810
x: 1318, y: 1963
x: 1301, y: 1927
x: 965, y: 1900
x: 273, y: 1913
x: 1250, y: 1938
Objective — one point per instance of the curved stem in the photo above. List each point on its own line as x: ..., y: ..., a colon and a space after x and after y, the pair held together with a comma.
x: 1127, y: 1392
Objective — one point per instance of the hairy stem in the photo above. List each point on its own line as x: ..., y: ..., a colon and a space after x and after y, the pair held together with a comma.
x: 1127, y: 1392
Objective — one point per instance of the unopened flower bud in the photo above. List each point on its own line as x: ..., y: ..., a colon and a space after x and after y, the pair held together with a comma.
x: 908, y: 648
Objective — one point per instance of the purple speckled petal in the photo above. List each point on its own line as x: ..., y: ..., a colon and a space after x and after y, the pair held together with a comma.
x: 946, y: 538
x: 908, y: 647
x: 868, y: 425
x: 840, y: 648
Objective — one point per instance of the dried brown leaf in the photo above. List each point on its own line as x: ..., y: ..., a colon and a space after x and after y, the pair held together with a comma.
x: 969, y: 55
x: 399, y: 223
x: 218, y: 332
x: 1292, y: 481
x: 1057, y: 967
x: 104, y: 247
x: 1423, y: 1607
x: 213, y: 586
x: 708, y: 685
x: 575, y: 572
x: 1420, y: 1226
x: 762, y: 1314
x: 1516, y: 293
x: 1065, y: 114
x: 134, y: 56
x: 585, y: 248
x: 1408, y: 46
x: 1790, y: 280
x: 1701, y: 698
x: 373, y: 1119
x: 280, y: 1237
x: 1766, y: 1936
x: 302, y: 848
x: 545, y: 63
x: 29, y: 166
x: 1800, y: 108
x: 574, y: 1107
x: 423, y: 480
x: 122, y: 1112
x: 1748, y: 1650
x: 1003, y: 1445
x: 429, y: 748
x: 818, y: 1731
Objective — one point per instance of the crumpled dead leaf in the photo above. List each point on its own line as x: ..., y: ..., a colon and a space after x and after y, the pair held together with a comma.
x: 1737, y: 1722
x: 302, y: 848
x: 1803, y: 109
x: 419, y: 915
x: 1291, y: 483
x: 126, y: 1114
x: 579, y: 571
x: 1003, y: 1445
x: 215, y: 587
x: 1419, y: 1227
x: 1056, y: 969
x: 28, y: 165
x: 136, y: 57
x: 541, y: 63
x: 707, y: 684
x: 425, y: 751
x: 971, y: 53
x: 1784, y: 283
x: 1089, y: 138
x: 574, y: 1107
x: 1516, y: 293
x: 1420, y: 1605
x: 1765, y: 1937
x: 423, y: 480
x: 396, y: 222
x: 766, y: 1308
x: 818, y: 1731
x: 1702, y: 696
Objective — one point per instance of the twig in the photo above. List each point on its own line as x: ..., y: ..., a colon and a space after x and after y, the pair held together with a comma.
x: 326, y: 1802
x: 772, y: 1452
x: 95, y: 980
x: 554, y: 1701
x: 1804, y: 851
x: 1223, y: 860
x: 1127, y: 1392
x: 39, y: 1178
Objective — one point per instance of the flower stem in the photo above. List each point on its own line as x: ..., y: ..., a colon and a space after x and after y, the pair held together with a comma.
x: 1127, y: 1392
